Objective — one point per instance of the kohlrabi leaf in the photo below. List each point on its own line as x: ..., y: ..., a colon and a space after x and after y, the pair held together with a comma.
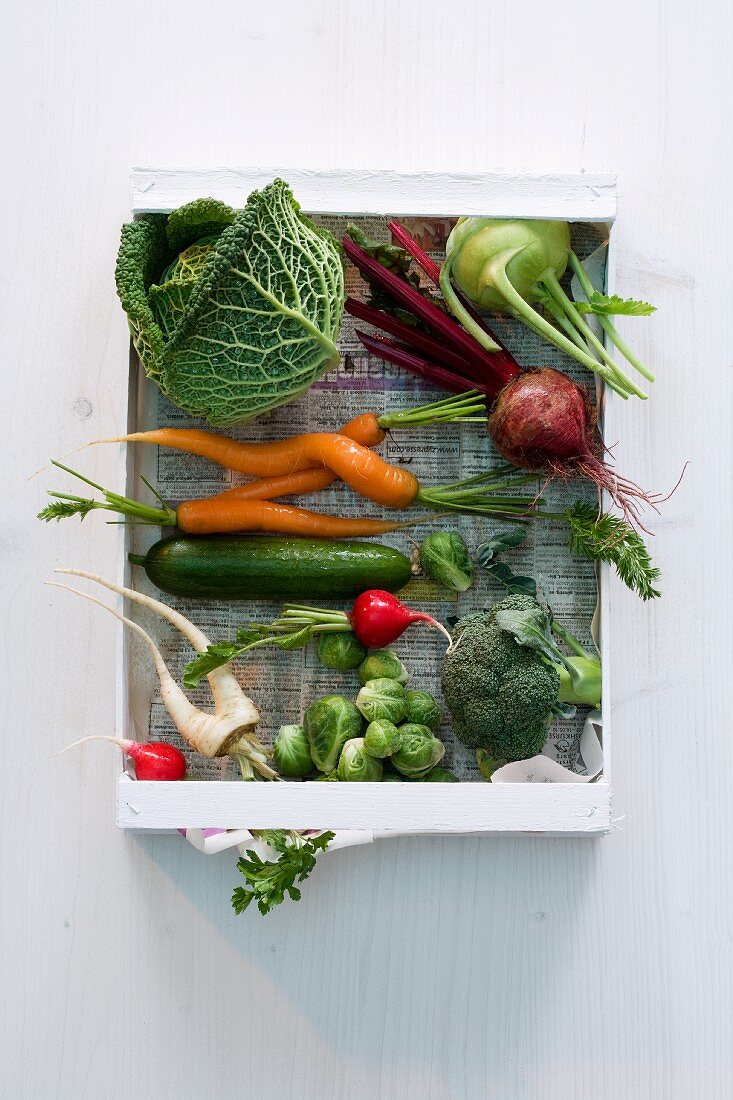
x: 609, y: 305
x: 247, y: 318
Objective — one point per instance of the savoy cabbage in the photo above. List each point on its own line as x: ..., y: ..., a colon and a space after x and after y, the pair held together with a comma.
x: 232, y: 313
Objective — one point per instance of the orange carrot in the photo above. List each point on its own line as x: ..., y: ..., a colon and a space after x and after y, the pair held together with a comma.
x: 258, y: 459
x: 285, y: 485
x: 366, y: 473
x: 482, y: 494
x: 215, y: 516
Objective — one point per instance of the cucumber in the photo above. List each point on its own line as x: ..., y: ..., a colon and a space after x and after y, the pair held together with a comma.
x: 234, y: 567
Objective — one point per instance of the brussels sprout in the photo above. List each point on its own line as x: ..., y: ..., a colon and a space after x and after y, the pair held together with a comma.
x: 356, y: 765
x: 487, y: 764
x: 329, y: 723
x: 332, y: 777
x: 420, y: 751
x: 423, y: 709
x: 340, y: 651
x: 440, y: 775
x: 444, y: 557
x: 383, y: 663
x: 391, y: 777
x: 291, y: 752
x: 382, y: 738
x: 382, y: 698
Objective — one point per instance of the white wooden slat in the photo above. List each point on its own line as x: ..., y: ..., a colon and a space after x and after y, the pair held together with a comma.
x: 576, y: 809
x: 577, y: 197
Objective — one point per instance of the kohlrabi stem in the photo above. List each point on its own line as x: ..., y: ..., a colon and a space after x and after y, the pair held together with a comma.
x: 570, y: 641
x: 559, y: 315
x: 530, y: 316
x: 607, y: 326
x: 458, y: 407
x: 457, y: 309
x: 551, y: 284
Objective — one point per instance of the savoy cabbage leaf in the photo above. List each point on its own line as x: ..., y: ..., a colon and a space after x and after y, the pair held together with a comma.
x: 232, y: 313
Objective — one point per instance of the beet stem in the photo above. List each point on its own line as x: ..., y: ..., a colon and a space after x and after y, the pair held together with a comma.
x: 424, y: 368
x: 428, y: 312
x: 420, y: 341
x: 432, y: 270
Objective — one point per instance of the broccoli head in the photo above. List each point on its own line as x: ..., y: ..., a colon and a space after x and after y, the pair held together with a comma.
x: 500, y: 694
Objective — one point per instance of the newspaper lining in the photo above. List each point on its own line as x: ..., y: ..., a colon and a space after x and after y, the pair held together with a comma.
x: 283, y: 684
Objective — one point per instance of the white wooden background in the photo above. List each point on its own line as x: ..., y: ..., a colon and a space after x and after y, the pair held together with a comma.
x: 412, y: 970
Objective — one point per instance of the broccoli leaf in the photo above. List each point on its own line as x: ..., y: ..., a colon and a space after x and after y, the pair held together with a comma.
x: 609, y: 305
x: 243, y: 326
x: 532, y: 628
x: 564, y: 710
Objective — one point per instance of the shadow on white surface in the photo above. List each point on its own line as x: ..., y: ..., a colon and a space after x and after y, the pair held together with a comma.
x: 405, y: 946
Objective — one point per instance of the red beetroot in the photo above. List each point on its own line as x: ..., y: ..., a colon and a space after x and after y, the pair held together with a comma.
x: 378, y: 618
x: 151, y: 760
x: 543, y: 421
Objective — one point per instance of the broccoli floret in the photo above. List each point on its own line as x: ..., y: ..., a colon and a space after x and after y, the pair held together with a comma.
x: 500, y: 694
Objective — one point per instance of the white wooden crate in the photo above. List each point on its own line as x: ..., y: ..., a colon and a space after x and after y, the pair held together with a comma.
x: 548, y: 809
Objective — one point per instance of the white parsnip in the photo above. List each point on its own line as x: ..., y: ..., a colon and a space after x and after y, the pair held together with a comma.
x: 229, y: 730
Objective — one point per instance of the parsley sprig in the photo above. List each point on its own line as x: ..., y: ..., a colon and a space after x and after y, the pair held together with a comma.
x: 269, y: 881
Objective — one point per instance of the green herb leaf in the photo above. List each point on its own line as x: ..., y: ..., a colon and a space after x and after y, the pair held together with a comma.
x: 268, y: 882
x: 63, y: 509
x: 609, y: 305
x: 216, y: 655
x: 221, y: 653
x: 606, y: 537
x: 486, y: 557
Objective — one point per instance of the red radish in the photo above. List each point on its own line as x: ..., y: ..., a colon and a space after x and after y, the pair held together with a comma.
x: 378, y: 618
x: 151, y: 759
x: 543, y: 421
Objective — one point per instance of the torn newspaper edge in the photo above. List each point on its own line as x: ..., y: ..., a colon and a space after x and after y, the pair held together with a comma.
x: 543, y: 769
x: 538, y: 769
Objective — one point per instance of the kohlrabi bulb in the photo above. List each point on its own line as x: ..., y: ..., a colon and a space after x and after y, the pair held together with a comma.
x: 478, y: 248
